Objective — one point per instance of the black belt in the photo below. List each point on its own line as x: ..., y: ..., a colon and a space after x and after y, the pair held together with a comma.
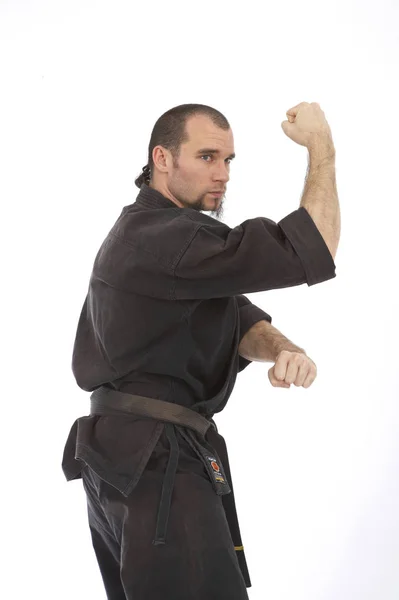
x: 105, y: 401
x: 193, y: 427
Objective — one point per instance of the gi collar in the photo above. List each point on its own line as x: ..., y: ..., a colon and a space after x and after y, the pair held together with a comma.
x: 150, y: 198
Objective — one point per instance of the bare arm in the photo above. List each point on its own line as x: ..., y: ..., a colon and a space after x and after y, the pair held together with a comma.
x: 320, y: 196
x: 263, y: 343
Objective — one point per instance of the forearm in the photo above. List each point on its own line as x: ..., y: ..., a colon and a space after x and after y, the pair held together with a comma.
x: 320, y: 197
x: 263, y: 343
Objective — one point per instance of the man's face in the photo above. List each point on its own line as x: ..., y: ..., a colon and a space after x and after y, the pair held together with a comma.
x: 198, y: 172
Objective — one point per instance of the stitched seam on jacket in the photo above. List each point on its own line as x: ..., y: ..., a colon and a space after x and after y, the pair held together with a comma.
x: 172, y: 292
x: 132, y: 245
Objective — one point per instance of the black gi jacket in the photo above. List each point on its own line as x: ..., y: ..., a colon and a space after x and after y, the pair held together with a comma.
x: 159, y: 316
x: 165, y: 310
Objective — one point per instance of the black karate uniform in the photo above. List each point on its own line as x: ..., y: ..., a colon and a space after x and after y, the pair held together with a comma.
x: 163, y: 317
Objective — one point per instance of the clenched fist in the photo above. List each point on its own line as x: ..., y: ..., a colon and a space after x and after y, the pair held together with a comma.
x: 292, y: 367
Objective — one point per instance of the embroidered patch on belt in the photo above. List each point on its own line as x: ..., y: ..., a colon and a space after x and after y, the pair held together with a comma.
x: 216, y: 469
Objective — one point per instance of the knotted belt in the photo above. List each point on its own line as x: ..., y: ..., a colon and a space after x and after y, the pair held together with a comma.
x: 193, y: 427
x: 105, y: 401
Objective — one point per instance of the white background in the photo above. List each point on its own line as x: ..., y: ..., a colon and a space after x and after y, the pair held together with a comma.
x: 315, y: 470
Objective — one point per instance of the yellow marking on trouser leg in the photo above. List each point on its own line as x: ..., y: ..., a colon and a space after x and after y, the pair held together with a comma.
x: 238, y: 547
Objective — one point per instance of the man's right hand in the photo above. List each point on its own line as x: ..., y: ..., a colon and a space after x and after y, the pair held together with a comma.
x: 307, y: 126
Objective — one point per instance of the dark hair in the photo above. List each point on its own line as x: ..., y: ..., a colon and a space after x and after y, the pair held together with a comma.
x: 170, y: 132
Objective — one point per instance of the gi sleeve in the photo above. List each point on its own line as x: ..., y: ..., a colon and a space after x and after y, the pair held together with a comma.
x: 249, y: 315
x: 255, y: 256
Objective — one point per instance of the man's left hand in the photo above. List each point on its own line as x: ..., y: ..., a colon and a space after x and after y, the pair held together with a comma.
x: 292, y: 367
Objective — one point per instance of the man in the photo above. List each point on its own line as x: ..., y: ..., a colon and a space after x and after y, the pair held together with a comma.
x: 163, y: 332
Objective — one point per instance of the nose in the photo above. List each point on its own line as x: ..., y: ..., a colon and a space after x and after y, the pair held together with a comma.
x: 222, y: 174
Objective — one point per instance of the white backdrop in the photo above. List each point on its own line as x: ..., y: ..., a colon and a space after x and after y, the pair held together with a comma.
x: 82, y: 84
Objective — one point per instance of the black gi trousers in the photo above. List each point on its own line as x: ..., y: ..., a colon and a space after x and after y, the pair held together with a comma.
x: 198, y: 562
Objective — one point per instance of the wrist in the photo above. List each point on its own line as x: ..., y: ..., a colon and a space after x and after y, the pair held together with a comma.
x: 274, y: 343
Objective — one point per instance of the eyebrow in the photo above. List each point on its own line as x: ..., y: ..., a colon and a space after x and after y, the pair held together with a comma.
x: 211, y: 151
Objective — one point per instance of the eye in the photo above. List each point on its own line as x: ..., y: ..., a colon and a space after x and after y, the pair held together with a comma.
x: 229, y: 159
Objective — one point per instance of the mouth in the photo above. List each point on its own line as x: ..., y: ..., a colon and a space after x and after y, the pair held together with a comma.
x: 217, y: 194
